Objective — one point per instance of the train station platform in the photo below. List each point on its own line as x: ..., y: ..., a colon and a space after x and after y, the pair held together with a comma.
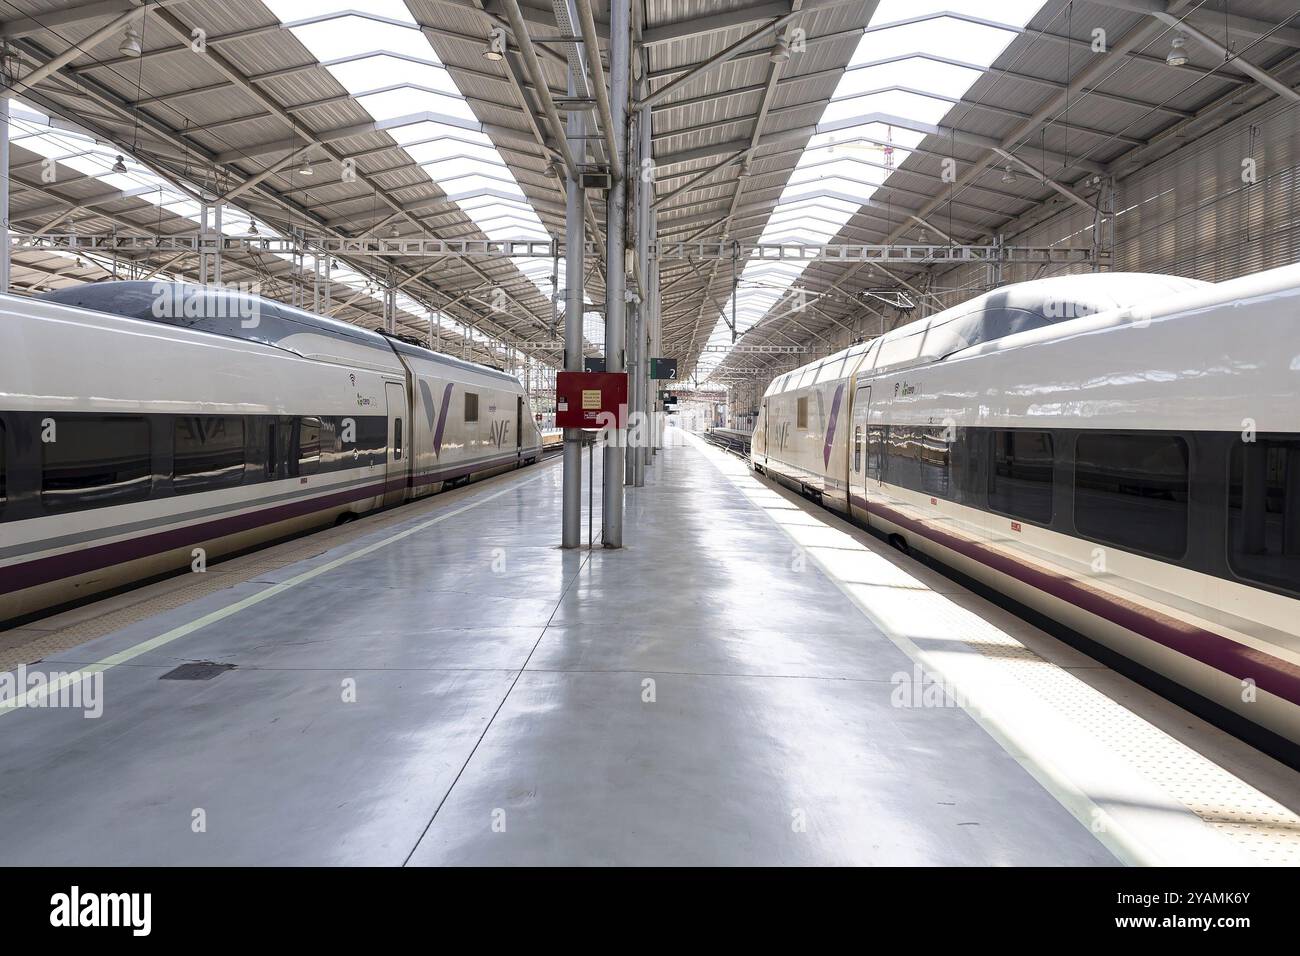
x: 749, y: 681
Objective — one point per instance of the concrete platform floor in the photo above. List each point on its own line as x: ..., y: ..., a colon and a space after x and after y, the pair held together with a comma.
x: 445, y: 686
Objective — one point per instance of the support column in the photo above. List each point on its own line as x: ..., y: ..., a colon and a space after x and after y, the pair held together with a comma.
x: 656, y: 337
x: 615, y: 274
x: 4, y: 192
x: 574, y: 244
x: 633, y: 380
x: 315, y: 283
x: 329, y: 284
x: 218, y: 210
x: 645, y: 184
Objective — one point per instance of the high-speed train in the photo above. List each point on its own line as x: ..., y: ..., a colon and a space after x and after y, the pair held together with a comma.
x: 140, y: 421
x: 1117, y: 452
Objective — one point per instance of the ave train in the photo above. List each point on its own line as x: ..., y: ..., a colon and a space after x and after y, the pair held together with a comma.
x: 1119, y: 453
x: 140, y: 421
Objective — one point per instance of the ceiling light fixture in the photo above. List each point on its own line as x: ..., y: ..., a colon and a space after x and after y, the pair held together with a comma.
x: 1008, y: 175
x: 394, y: 232
x: 1177, y: 51
x: 305, y: 169
x: 550, y: 172
x: 130, y: 42
x: 496, y: 44
x: 252, y: 228
x: 120, y: 165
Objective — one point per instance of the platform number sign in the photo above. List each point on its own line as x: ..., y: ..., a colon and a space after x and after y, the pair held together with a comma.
x: 663, y: 368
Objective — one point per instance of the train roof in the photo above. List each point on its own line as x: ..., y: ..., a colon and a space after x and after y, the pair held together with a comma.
x: 996, y: 314
x: 408, y: 348
x: 236, y: 314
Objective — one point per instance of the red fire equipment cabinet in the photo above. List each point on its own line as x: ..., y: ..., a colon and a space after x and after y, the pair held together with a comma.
x: 587, y: 399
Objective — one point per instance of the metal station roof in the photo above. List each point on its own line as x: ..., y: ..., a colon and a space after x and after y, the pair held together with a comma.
x: 828, y: 121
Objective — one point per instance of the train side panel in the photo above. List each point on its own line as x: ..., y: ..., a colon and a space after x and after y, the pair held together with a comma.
x: 231, y: 442
x: 1190, y: 376
x: 804, y: 437
x: 164, y: 379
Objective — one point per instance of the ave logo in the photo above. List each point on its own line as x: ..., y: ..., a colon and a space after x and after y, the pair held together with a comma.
x: 500, y: 431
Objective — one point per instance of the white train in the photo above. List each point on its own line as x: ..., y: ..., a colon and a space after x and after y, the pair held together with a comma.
x: 140, y: 421
x: 1118, y: 452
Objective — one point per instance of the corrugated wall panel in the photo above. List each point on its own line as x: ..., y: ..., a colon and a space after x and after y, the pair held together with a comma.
x: 1189, y: 214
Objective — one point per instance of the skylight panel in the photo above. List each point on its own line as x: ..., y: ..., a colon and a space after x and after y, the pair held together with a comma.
x: 369, y: 73
x: 446, y: 170
x: 947, y: 37
x: 460, y: 159
x: 408, y: 100
x: 915, y: 72
x: 349, y: 35
x: 922, y: 109
x: 1013, y: 12
x: 483, y: 205
x: 427, y: 130
x: 834, y: 168
x: 424, y: 153
x: 471, y: 184
x: 828, y: 187
x: 290, y: 11
x: 868, y: 133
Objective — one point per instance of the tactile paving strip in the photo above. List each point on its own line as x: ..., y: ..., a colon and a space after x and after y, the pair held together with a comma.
x: 1255, y: 822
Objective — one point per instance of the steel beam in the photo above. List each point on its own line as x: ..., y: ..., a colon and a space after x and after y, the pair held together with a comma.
x: 587, y: 22
x: 716, y: 60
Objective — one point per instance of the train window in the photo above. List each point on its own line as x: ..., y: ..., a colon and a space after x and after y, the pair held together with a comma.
x: 272, y: 451
x: 801, y: 413
x: 934, y: 450
x: 901, y: 446
x: 308, y: 457
x: 1131, y: 491
x: 397, y: 439
x: 1020, y: 478
x: 1264, y: 512
x: 876, y: 451
x: 331, y: 447
x: 94, y: 460
x: 471, y: 408
x: 207, y: 451
x: 857, y: 449
x: 370, y: 443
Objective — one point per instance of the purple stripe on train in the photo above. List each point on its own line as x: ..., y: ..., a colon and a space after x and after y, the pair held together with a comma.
x: 1273, y: 674
x: 442, y: 419
x: 830, y: 429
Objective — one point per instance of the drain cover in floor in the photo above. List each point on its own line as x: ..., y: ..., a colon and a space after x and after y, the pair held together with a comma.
x: 200, y: 670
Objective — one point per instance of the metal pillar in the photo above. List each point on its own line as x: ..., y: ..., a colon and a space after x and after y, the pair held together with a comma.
x: 4, y: 193
x: 574, y: 244
x: 315, y: 283
x: 656, y: 343
x: 645, y: 185
x: 218, y: 210
x: 633, y: 395
x: 615, y: 266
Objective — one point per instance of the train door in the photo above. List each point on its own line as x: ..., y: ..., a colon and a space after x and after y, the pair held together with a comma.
x: 519, y: 427
x: 398, y: 450
x: 858, y: 453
